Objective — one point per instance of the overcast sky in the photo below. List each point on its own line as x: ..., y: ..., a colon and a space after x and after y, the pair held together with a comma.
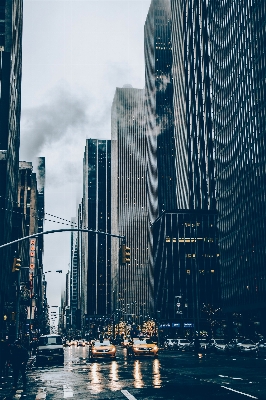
x: 75, y: 53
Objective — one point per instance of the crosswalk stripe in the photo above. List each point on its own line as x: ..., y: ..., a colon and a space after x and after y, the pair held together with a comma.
x: 128, y: 395
x: 68, y: 391
x: 41, y: 394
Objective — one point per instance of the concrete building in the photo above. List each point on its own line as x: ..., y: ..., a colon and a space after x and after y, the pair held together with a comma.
x: 33, y: 213
x: 131, y: 282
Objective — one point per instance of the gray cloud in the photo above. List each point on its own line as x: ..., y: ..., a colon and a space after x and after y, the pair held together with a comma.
x: 50, y: 122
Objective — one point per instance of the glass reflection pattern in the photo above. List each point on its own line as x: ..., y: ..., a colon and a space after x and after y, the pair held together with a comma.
x: 192, y: 105
x: 159, y: 108
x: 238, y: 97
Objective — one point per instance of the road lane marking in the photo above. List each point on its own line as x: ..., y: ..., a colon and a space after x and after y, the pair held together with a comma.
x: 236, y: 391
x: 128, y: 395
x: 68, y: 391
x: 41, y: 394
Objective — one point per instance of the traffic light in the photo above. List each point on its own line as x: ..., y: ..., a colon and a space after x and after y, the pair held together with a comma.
x: 16, y: 264
x: 125, y: 254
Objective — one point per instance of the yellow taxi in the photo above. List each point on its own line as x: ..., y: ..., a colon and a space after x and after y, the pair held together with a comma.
x: 143, y: 347
x: 102, y: 348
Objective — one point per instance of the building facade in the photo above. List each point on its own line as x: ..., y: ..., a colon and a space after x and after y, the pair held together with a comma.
x: 161, y: 146
x: 192, y: 105
x: 75, y: 293
x: 179, y: 127
x: 32, y: 211
x: 237, y: 33
x: 130, y: 282
x: 96, y: 215
x: 186, y: 270
x: 10, y: 105
x: 161, y: 149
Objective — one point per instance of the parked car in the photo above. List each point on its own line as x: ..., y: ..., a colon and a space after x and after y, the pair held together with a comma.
x: 232, y: 346
x: 183, y: 344
x: 247, y: 346
x: 220, y: 346
x: 262, y: 348
x: 50, y: 350
x: 171, y: 344
x: 203, y: 345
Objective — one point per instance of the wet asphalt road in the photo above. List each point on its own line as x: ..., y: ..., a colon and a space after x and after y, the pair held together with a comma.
x: 173, y: 375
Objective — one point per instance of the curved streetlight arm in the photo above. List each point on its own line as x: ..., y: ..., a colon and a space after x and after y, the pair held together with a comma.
x: 63, y: 230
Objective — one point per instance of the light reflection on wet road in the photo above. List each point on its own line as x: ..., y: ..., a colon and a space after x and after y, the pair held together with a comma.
x: 171, y: 376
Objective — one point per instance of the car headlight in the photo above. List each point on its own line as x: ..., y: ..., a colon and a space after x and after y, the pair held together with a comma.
x: 93, y: 351
x: 155, y: 348
x: 112, y: 350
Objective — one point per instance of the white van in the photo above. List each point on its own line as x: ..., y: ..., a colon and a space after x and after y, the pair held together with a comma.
x: 50, y: 350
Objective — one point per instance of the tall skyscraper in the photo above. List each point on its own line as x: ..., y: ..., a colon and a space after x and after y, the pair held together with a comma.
x: 192, y: 105
x: 161, y: 177
x: 129, y: 199
x: 176, y: 48
x: 75, y: 274
x: 161, y: 146
x: 96, y: 215
x: 238, y: 106
x: 10, y: 105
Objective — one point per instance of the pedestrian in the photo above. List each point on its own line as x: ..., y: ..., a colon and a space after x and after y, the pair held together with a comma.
x: 19, y: 357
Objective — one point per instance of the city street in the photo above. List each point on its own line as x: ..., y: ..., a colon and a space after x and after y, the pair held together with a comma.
x: 173, y: 375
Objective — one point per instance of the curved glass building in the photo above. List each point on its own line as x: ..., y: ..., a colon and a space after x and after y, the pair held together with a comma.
x: 238, y: 65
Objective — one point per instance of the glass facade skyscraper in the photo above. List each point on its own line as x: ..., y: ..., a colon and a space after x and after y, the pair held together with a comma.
x: 179, y: 134
x: 238, y: 64
x: 161, y: 177
x: 161, y: 146
x: 96, y: 215
x: 129, y: 202
x: 192, y: 105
